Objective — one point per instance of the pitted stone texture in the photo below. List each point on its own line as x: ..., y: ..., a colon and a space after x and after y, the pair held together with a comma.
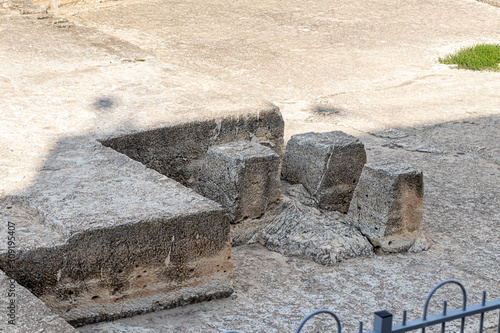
x: 327, y: 164
x: 244, y: 177
x: 387, y: 206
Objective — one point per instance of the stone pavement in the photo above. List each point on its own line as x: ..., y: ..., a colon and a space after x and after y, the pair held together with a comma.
x: 366, y: 68
x: 461, y: 220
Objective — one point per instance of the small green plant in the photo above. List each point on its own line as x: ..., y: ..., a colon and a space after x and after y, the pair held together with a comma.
x: 479, y: 57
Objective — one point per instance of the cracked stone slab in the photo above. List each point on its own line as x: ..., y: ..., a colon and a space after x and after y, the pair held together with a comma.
x: 455, y: 138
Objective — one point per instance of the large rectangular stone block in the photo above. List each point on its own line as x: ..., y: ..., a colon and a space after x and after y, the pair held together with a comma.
x: 387, y: 206
x: 244, y: 177
x: 99, y: 236
x: 327, y: 164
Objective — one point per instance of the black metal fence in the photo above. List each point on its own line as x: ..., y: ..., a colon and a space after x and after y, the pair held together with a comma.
x: 383, y: 320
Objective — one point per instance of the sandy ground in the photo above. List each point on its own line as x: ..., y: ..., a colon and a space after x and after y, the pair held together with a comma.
x: 358, y: 66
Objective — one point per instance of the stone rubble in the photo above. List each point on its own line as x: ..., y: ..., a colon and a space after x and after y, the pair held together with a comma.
x: 296, y: 229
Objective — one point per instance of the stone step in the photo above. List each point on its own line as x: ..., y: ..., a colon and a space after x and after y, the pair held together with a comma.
x: 99, y: 236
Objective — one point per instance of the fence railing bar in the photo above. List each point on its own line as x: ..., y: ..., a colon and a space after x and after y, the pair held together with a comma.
x: 481, y: 323
x: 452, y: 315
x: 481, y: 320
x: 443, y: 325
x: 360, y: 327
x: 462, y: 325
x: 464, y: 295
x: 404, y: 317
x: 303, y: 322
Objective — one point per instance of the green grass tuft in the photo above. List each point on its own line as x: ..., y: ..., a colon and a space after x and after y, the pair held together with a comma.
x: 479, y: 57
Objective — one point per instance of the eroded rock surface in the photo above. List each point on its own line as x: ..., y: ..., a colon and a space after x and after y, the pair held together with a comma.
x: 295, y: 229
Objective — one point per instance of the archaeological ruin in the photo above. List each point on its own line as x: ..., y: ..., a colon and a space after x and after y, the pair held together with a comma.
x: 144, y: 221
x: 148, y: 185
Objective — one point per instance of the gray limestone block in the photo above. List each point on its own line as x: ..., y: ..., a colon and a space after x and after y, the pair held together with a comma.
x: 387, y: 206
x: 242, y: 176
x: 327, y: 164
x: 99, y: 236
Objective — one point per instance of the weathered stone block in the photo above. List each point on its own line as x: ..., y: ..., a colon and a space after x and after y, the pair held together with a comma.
x: 327, y: 164
x: 387, y: 206
x: 242, y: 176
x: 177, y: 151
x: 113, y: 238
